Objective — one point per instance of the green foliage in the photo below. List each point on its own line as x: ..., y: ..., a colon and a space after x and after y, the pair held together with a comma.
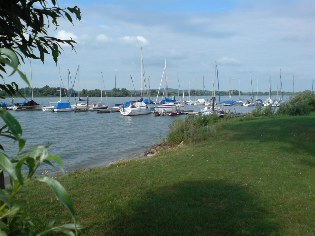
x: 263, y: 111
x: 24, y: 27
x: 192, y: 129
x: 301, y: 104
x: 20, y: 170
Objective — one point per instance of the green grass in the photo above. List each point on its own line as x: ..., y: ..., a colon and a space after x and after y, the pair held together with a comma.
x: 253, y: 177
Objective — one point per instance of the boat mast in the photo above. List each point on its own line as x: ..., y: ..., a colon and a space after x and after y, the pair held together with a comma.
x: 269, y: 88
x: 217, y: 75
x: 230, y: 96
x: 101, y: 88
x: 165, y: 80
x: 213, y: 80
x: 69, y: 76
x: 281, y: 86
x: 293, y: 84
x: 239, y: 89
x: 189, y: 91
x: 141, y: 71
x: 32, y: 94
x: 256, y: 89
x: 251, y: 85
x: 178, y: 86
x: 60, y: 90
x: 203, y: 85
x: 60, y: 85
x: 213, y: 85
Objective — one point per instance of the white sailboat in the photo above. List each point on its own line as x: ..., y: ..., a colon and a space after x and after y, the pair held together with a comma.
x: 100, y: 105
x: 166, y: 105
x: 135, y: 108
x: 269, y: 101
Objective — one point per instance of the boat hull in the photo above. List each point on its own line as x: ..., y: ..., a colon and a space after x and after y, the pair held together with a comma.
x: 135, y: 109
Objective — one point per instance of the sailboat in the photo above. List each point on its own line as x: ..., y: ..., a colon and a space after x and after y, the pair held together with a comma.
x: 61, y: 106
x: 269, y: 101
x: 100, y: 105
x: 138, y: 107
x: 229, y: 102
x: 166, y: 105
x: 211, y: 108
x: 27, y: 105
x: 250, y: 103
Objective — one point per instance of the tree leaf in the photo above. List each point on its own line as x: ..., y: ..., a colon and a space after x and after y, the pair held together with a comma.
x: 24, y: 78
x: 67, y: 229
x: 13, y: 124
x: 55, y: 52
x: 55, y: 158
x: 4, y: 196
x: 18, y: 168
x: 6, y: 165
x: 11, y: 212
x: 68, y: 16
x: 60, y: 193
x: 13, y: 59
x: 21, y: 143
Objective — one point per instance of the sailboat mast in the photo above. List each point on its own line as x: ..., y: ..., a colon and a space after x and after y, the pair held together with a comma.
x: 281, y: 86
x: 178, y: 86
x: 293, y: 84
x: 141, y: 71
x: 189, y: 91
x: 32, y: 95
x: 101, y: 88
x: 239, y: 89
x: 256, y: 89
x: 69, y: 76
x: 217, y: 75
x: 165, y: 79
x: 203, y: 85
x: 269, y: 88
x: 251, y: 85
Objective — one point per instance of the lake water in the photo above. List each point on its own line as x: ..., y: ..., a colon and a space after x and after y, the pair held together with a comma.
x: 89, y: 139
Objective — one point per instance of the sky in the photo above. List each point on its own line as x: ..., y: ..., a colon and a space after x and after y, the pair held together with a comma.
x: 248, y: 40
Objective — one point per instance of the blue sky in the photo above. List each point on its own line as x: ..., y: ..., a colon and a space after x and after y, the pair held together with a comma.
x: 249, y: 40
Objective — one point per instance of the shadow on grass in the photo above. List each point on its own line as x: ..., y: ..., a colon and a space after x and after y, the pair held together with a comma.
x: 298, y: 132
x: 195, y: 208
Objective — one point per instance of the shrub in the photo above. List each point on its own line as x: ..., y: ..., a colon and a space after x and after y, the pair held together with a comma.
x: 191, y: 130
x: 263, y: 111
x: 301, y: 104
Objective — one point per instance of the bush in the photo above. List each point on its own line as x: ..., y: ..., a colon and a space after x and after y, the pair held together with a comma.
x: 301, y: 104
x: 191, y: 130
x: 263, y: 111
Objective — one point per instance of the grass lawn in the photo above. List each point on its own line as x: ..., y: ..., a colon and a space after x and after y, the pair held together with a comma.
x: 252, y: 177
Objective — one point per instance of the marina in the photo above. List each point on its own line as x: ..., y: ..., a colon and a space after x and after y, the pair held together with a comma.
x: 90, y: 139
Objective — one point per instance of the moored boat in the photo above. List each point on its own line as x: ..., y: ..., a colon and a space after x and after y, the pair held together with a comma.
x: 63, y: 107
x: 27, y: 106
x: 134, y: 108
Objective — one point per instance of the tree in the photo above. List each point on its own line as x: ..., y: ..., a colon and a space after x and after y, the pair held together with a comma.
x: 24, y: 34
x: 24, y: 27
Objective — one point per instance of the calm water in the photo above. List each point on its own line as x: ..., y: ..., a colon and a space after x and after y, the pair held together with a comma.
x: 89, y: 139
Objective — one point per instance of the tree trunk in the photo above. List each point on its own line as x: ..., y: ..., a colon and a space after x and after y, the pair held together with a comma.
x: 2, y: 184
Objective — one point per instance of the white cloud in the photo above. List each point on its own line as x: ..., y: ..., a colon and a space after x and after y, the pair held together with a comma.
x: 135, y: 40
x: 64, y: 35
x: 102, y: 38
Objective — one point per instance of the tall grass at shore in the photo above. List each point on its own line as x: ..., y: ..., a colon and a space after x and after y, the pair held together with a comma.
x: 250, y: 176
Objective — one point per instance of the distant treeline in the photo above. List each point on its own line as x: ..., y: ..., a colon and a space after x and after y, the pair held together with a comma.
x: 47, y: 91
